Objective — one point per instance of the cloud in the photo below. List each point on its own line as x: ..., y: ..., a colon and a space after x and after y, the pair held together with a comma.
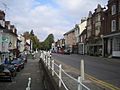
x: 54, y: 16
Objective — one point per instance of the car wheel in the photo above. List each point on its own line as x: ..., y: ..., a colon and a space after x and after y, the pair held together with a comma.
x: 10, y: 79
x: 18, y: 69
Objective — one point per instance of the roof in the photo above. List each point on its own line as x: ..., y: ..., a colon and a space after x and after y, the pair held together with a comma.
x: 7, y: 31
x: 69, y: 32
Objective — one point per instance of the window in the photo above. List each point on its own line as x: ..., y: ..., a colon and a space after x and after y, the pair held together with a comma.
x: 99, y: 17
x: 113, y: 28
x: 97, y: 31
x: 88, y: 33
x: 2, y: 23
x: 113, y: 9
x: 117, y: 44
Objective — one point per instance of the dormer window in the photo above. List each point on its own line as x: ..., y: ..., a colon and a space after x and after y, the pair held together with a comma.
x: 8, y: 27
x: 13, y: 30
x: 113, y: 9
x: 2, y: 23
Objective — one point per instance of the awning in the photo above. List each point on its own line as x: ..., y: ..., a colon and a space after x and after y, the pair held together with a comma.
x: 111, y: 35
x: 94, y: 45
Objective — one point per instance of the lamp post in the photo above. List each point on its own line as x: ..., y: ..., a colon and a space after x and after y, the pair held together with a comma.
x: 102, y: 45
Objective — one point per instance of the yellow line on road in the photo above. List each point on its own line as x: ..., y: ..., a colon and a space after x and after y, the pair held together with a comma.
x: 105, y: 84
x: 93, y: 79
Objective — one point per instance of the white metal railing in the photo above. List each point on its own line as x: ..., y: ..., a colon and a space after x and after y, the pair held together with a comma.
x: 59, y: 72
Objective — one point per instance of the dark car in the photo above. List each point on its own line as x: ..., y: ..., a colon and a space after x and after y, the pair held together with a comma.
x: 11, y: 68
x: 66, y: 51
x: 24, y: 58
x: 5, y: 73
x: 18, y: 63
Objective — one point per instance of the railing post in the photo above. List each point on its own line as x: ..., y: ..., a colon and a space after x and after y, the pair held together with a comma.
x: 79, y: 83
x: 60, y: 74
x: 48, y: 62
x: 43, y: 56
x: 82, y: 70
x: 52, y: 67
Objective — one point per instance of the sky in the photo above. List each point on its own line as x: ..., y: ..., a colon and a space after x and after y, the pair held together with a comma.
x: 47, y: 16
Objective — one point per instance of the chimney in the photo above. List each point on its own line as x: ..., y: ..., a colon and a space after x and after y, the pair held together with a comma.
x: 7, y: 25
x: 2, y: 18
x: 13, y: 29
x: 2, y: 15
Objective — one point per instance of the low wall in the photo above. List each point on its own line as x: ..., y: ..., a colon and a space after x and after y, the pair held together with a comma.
x: 48, y: 80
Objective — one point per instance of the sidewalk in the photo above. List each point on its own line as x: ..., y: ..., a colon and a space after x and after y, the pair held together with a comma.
x: 35, y: 73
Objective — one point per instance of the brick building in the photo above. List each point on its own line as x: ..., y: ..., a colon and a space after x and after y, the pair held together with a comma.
x: 112, y: 32
x: 70, y: 40
x: 94, y: 41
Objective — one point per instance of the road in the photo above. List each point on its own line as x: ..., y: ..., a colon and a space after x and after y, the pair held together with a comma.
x: 107, y: 70
x: 20, y: 82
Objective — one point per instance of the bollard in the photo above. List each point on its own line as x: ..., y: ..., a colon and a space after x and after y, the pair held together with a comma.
x: 52, y: 67
x: 79, y: 83
x: 60, y: 74
x: 29, y: 83
x: 82, y: 70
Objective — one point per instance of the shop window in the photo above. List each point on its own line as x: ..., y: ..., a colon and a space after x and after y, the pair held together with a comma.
x: 117, y: 44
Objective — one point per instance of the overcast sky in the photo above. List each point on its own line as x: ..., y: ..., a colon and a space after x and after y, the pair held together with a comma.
x: 47, y: 16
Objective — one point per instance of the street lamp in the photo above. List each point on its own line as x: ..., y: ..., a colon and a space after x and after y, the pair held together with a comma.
x: 102, y: 44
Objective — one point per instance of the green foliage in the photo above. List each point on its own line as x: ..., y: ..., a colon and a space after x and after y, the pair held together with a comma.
x: 34, y: 39
x: 31, y: 32
x: 35, y: 42
x: 46, y: 45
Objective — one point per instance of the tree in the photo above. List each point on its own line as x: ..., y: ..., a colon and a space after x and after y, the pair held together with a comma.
x: 35, y: 41
x: 33, y: 38
x: 26, y: 35
x: 31, y: 32
x: 48, y: 42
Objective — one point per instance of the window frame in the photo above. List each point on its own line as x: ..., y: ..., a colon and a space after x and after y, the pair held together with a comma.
x: 113, y: 9
x: 113, y: 25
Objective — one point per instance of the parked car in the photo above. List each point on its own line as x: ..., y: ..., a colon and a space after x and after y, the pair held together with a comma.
x: 5, y: 73
x: 24, y: 58
x: 11, y: 68
x: 18, y: 63
x: 67, y: 51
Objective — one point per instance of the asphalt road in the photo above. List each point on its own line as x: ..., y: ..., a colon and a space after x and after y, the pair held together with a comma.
x: 20, y: 82
x: 104, y: 69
